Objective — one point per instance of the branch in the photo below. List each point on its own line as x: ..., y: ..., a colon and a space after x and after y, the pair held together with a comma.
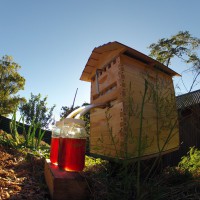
x: 194, y: 80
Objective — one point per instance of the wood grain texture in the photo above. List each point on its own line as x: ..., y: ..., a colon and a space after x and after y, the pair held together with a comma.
x: 65, y: 185
x: 118, y: 136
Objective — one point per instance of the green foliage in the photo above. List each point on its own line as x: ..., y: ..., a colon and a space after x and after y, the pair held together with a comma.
x: 32, y: 144
x: 94, y: 163
x: 7, y: 140
x: 13, y: 128
x: 42, y: 152
x: 172, y: 184
x: 30, y: 138
x: 191, y: 162
x: 181, y: 45
x: 10, y: 83
x: 36, y: 111
x: 33, y: 136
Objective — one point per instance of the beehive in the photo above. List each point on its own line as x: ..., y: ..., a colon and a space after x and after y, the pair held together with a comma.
x: 141, y: 119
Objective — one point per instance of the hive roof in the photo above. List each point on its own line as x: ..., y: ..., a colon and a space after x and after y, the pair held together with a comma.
x: 114, y: 49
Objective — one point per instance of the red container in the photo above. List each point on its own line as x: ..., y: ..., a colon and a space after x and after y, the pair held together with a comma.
x: 72, y: 154
x: 54, y: 150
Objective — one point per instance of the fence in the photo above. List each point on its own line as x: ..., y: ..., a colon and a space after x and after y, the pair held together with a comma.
x: 189, y: 133
x: 5, y: 126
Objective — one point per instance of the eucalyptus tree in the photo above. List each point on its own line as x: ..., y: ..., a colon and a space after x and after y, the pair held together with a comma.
x: 11, y: 82
x: 182, y: 46
x: 35, y: 111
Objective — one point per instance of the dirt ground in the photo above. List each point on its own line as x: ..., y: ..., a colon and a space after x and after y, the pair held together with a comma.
x: 21, y: 178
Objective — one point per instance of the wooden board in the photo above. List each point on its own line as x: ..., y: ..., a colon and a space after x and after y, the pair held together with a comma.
x: 65, y: 185
x: 102, y: 140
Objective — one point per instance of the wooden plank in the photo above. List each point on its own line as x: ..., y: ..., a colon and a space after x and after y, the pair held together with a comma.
x: 131, y: 61
x: 106, y: 98
x: 106, y: 150
x: 101, y: 139
x: 65, y: 185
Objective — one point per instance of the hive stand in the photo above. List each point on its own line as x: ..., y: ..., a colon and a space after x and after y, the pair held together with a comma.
x: 65, y: 185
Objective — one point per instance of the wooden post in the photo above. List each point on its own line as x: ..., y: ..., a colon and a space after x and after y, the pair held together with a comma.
x: 65, y: 185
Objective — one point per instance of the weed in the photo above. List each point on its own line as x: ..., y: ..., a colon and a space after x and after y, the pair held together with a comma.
x: 191, y: 162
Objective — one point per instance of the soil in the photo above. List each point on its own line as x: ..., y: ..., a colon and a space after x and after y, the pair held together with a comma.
x: 21, y: 176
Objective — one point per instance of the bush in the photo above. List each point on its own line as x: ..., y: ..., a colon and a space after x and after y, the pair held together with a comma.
x: 191, y: 162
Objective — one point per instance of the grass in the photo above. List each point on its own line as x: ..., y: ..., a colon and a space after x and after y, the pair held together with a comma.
x: 107, y: 181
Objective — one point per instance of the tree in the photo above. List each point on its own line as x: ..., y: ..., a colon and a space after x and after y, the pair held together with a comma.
x: 183, y: 46
x: 36, y: 110
x: 178, y: 45
x: 10, y: 83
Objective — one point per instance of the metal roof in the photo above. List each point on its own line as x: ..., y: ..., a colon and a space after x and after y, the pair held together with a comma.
x: 188, y: 99
x: 113, y: 49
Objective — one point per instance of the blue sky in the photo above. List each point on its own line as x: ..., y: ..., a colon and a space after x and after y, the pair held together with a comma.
x: 52, y: 40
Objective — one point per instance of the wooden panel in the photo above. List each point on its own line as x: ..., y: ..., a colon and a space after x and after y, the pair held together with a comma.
x: 106, y: 98
x: 151, y: 143
x: 155, y: 116
x: 103, y: 140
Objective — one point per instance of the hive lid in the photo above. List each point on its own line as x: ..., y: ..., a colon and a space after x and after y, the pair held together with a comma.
x: 114, y: 49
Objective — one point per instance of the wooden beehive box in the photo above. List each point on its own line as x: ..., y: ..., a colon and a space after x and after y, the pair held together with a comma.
x: 141, y: 120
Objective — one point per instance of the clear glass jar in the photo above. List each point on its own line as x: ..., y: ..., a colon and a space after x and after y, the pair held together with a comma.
x: 72, y: 145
